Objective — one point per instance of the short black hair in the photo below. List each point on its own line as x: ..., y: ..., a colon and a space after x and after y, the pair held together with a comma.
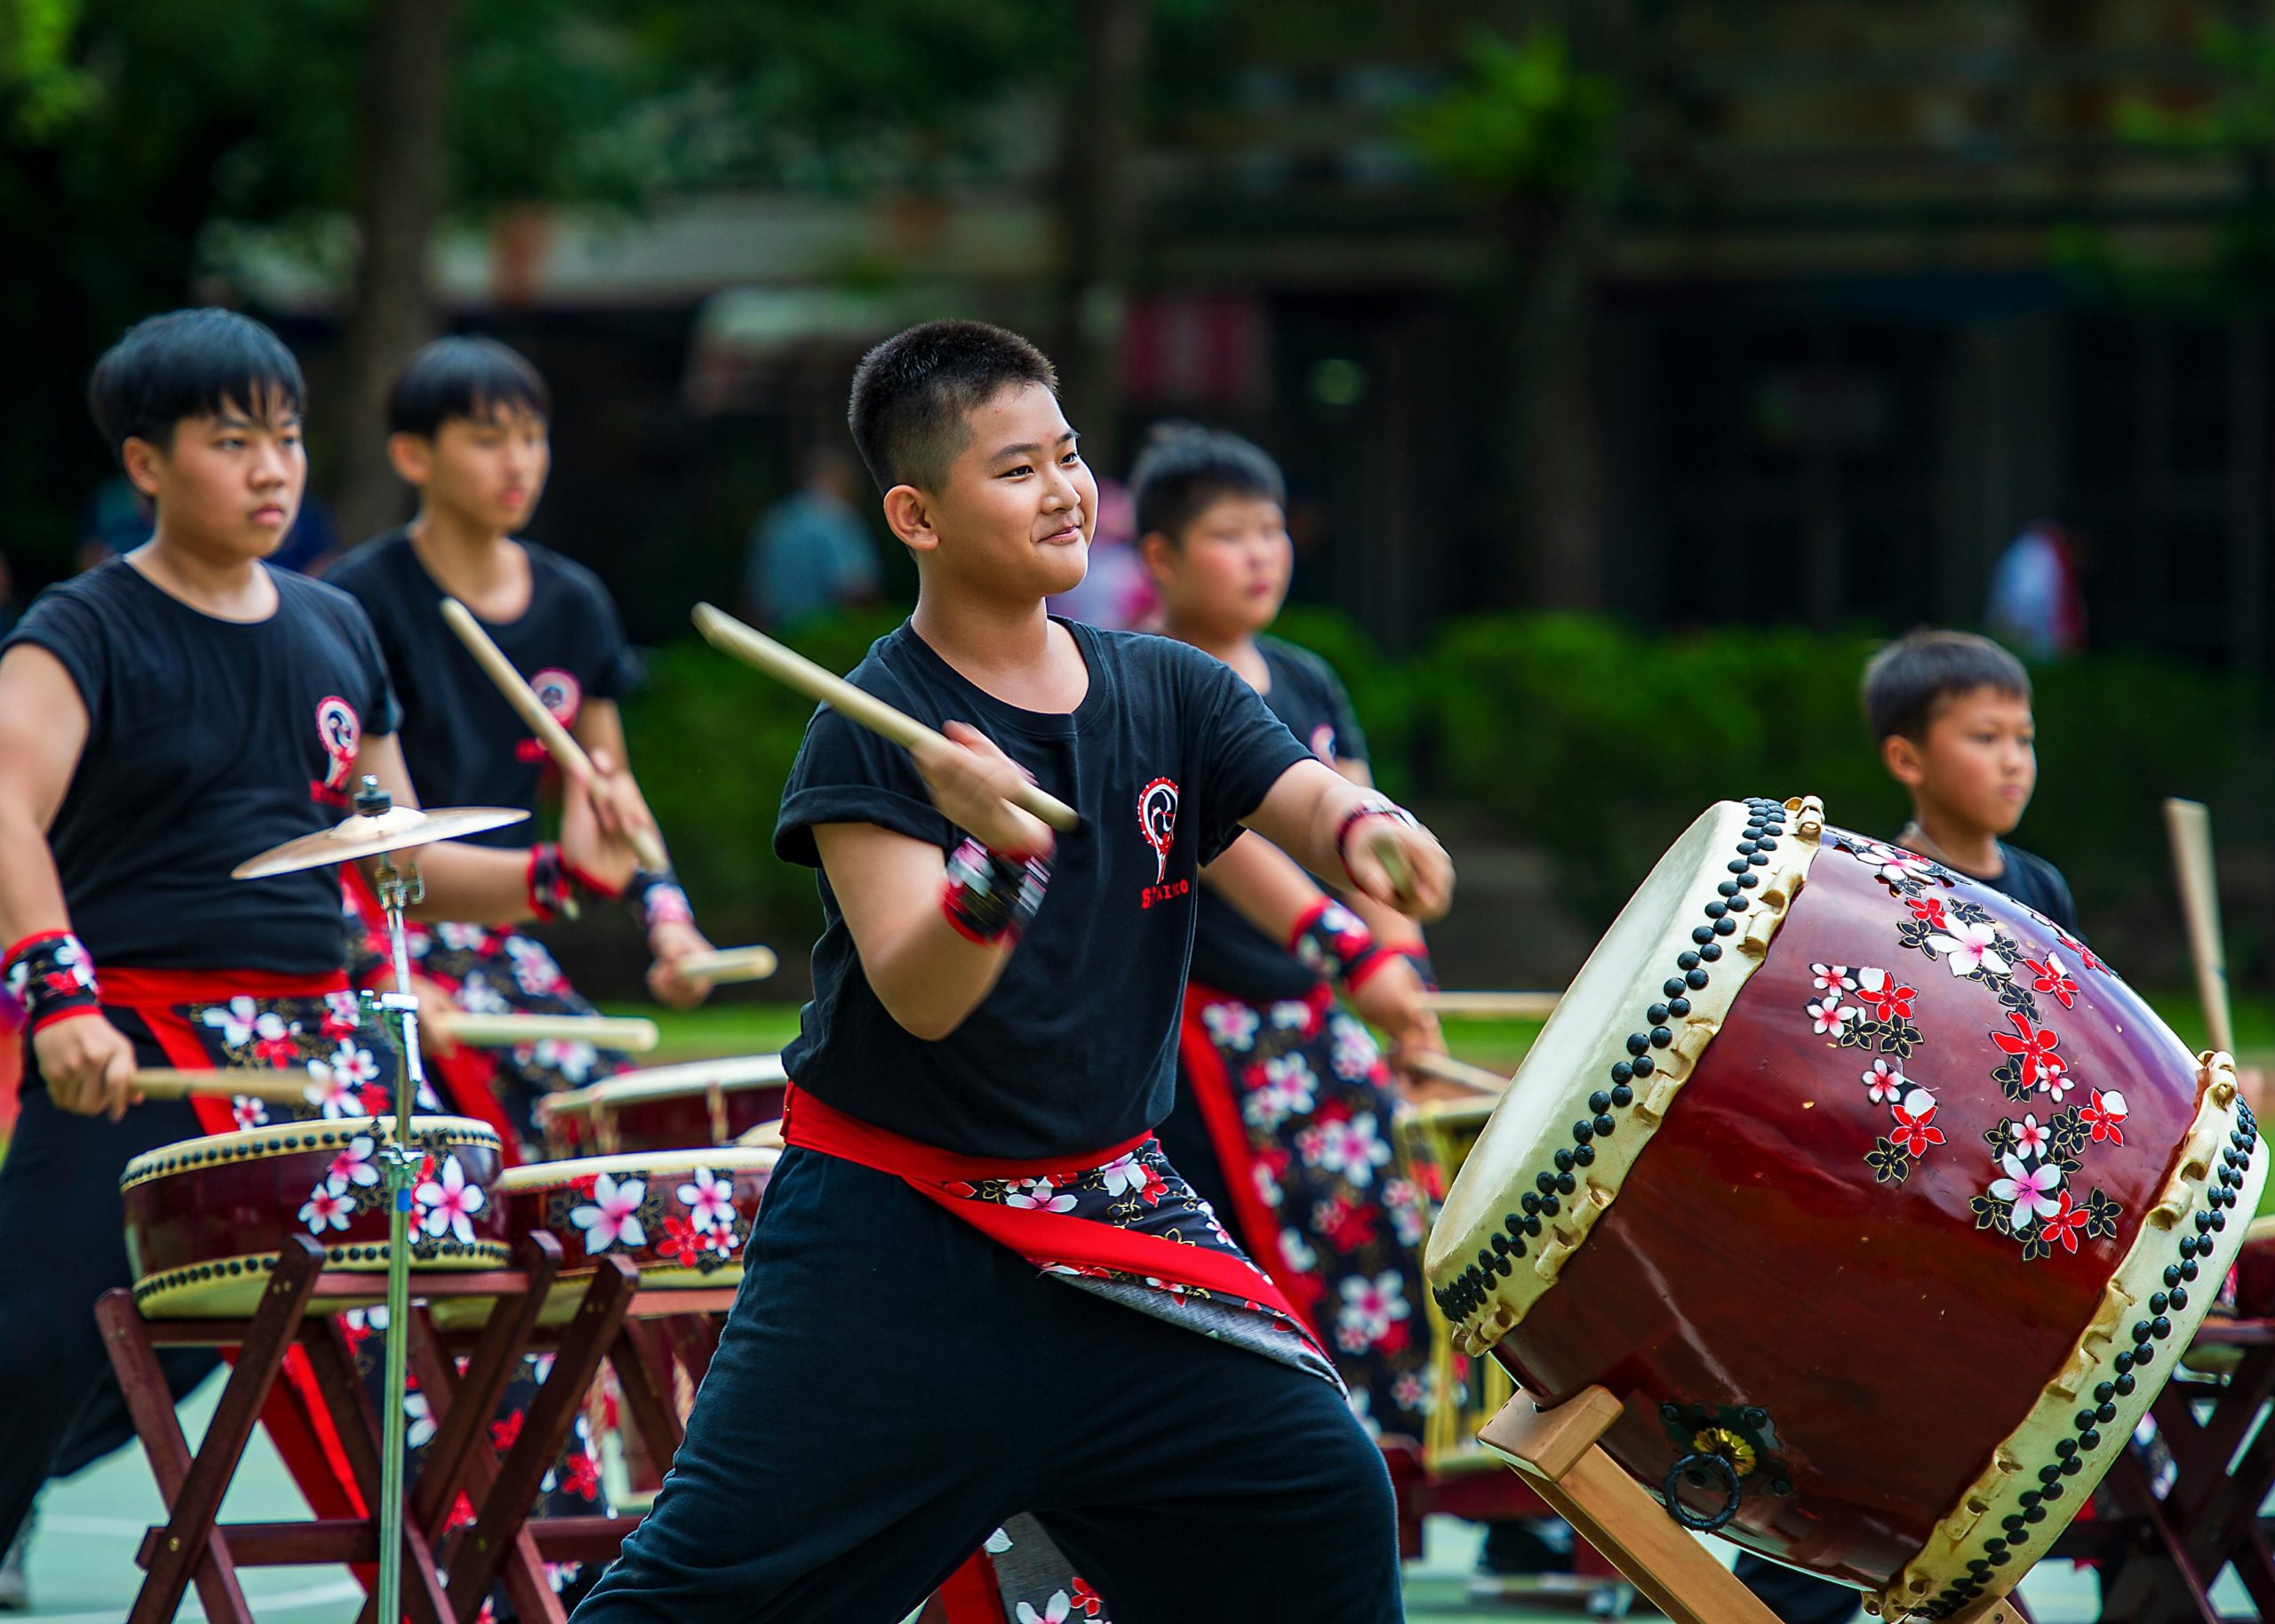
x: 1185, y: 468
x: 1910, y: 680
x: 910, y: 394
x: 473, y: 378
x: 189, y: 363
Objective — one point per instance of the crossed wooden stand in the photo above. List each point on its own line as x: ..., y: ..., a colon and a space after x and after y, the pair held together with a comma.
x: 449, y: 1566
x: 1557, y: 1451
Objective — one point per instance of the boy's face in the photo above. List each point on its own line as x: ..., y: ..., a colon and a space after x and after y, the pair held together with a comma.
x: 1014, y: 512
x: 1231, y: 570
x: 1978, y: 762
x: 229, y: 484
x: 487, y: 471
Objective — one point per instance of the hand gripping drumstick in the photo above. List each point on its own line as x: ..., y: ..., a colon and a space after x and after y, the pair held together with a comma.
x: 729, y: 635
x: 558, y: 742
x: 2190, y: 824
x: 283, y: 1087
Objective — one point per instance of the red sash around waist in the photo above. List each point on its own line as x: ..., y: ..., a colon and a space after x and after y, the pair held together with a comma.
x: 1092, y: 1214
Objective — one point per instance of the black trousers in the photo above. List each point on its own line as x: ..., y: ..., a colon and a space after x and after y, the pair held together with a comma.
x: 62, y: 1246
x: 892, y: 1385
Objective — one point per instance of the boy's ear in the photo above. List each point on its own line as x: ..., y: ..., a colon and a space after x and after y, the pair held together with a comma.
x: 1905, y: 761
x: 141, y: 460
x: 1160, y: 555
x: 413, y: 457
x: 908, y: 514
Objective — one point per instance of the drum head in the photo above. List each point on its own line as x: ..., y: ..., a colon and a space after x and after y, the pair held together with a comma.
x: 1546, y: 1165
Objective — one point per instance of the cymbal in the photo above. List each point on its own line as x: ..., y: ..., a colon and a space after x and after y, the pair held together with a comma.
x: 396, y: 829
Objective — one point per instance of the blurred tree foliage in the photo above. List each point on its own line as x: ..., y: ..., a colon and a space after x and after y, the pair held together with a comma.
x: 1595, y: 742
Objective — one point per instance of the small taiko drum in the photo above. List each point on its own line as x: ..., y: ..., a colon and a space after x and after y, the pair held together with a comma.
x: 663, y: 1107
x: 205, y: 1218
x: 681, y: 1217
x: 1881, y: 1204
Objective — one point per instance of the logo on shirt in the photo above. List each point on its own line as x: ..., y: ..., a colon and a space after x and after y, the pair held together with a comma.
x: 1323, y: 742
x: 341, y: 733
x: 563, y: 698
x: 1157, y: 822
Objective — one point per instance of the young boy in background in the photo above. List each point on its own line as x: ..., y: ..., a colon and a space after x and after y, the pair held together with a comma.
x: 469, y: 421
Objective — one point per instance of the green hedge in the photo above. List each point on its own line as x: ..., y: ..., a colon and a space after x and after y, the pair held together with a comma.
x: 1591, y: 739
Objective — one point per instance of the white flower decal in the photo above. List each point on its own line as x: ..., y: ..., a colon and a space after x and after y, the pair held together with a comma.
x: 449, y: 1203
x: 612, y: 1219
x: 1968, y: 948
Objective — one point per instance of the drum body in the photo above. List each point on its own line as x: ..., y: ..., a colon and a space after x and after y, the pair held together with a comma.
x: 2255, y: 1272
x: 666, y: 1108
x: 680, y: 1216
x: 205, y: 1218
x: 1882, y: 1206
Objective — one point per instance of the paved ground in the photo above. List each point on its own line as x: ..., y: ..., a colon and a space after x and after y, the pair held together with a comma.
x: 83, y: 1570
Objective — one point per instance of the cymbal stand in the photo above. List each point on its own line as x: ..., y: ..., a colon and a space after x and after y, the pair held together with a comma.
x: 398, y: 890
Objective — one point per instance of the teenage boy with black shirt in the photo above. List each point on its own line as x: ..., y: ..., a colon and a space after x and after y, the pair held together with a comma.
x: 162, y: 718
x: 992, y: 1037
x: 468, y: 430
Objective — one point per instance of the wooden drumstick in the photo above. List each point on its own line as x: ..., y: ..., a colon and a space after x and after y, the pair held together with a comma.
x: 765, y: 1136
x: 635, y: 1033
x: 161, y: 1083
x: 558, y: 741
x: 1493, y: 1006
x: 1445, y: 1068
x: 2190, y: 824
x: 729, y: 635
x: 752, y: 963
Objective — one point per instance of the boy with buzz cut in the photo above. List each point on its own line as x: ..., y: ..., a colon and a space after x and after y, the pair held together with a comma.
x: 1950, y: 714
x: 976, y: 1287
x: 163, y: 717
x: 468, y: 422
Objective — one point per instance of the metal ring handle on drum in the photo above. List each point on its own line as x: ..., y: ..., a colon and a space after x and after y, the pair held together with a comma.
x: 1733, y: 1492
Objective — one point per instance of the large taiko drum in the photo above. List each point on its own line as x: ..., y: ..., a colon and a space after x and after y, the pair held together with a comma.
x: 1882, y: 1206
x: 206, y: 1218
x: 663, y: 1107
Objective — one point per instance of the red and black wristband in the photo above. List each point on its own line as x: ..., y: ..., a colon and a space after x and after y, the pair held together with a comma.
x: 988, y: 896
x: 52, y: 976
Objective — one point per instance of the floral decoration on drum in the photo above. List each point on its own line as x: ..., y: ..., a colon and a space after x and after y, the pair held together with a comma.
x: 2032, y: 1197
x: 692, y: 1224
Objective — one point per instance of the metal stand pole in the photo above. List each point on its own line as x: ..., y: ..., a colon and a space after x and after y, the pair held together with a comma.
x: 399, y: 1161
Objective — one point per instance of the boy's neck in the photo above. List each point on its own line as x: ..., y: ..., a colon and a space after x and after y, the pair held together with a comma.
x: 486, y: 570
x: 228, y: 587
x: 1009, y: 649
x: 1237, y: 650
x: 1934, y: 833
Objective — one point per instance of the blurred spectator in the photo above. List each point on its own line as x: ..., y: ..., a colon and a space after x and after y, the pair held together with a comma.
x: 812, y: 552
x: 1117, y: 594
x: 2035, y: 606
x: 312, y: 543
x: 115, y: 519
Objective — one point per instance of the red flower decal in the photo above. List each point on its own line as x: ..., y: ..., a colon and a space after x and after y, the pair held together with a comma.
x: 681, y: 1242
x: 503, y: 1431
x: 2066, y: 1224
x: 2050, y: 976
x: 1915, y: 1123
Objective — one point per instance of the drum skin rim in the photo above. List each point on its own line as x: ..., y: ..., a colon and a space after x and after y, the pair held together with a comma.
x: 1937, y: 1583
x: 690, y: 1080
x: 535, y: 1178
x: 297, y: 1139
x: 225, y: 1286
x: 1480, y: 1274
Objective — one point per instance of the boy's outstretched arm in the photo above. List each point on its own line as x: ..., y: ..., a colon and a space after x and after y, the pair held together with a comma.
x: 1327, y: 823
x: 927, y: 970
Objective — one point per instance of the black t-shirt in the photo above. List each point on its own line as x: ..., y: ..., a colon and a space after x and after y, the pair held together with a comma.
x: 208, y: 741
x: 1075, y: 1047
x: 464, y: 744
x: 1229, y: 954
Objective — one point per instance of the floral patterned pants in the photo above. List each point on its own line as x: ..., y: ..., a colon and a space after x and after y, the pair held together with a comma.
x: 1285, y: 1107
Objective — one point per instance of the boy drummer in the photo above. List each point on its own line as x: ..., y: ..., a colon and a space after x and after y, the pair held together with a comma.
x: 976, y: 1284
x: 162, y: 718
x: 468, y: 431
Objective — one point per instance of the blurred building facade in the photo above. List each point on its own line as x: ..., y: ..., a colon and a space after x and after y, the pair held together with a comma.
x: 1869, y: 289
